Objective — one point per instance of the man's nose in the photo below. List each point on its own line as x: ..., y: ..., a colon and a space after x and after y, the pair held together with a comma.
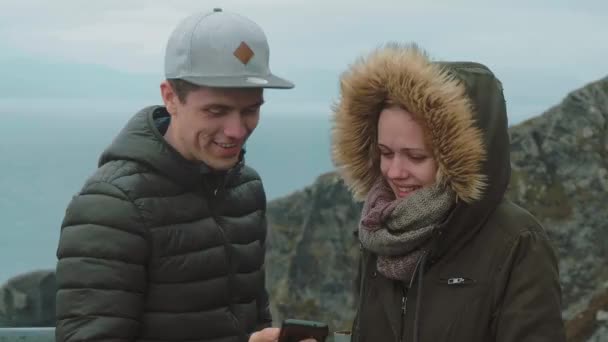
x: 235, y: 127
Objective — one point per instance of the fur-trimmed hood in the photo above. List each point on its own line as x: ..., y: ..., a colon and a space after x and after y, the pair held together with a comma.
x: 460, y: 106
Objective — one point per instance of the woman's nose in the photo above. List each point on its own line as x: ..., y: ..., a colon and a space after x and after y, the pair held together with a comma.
x: 397, y: 169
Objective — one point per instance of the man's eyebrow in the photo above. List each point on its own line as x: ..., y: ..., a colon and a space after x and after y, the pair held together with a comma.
x: 216, y: 105
x: 257, y: 104
x: 227, y: 107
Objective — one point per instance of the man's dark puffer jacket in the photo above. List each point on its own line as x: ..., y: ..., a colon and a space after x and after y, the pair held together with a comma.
x: 156, y: 248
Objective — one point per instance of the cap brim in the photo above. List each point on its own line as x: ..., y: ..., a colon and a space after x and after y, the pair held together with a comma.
x: 267, y: 81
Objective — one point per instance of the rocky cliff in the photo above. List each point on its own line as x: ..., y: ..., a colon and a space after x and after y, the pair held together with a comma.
x: 560, y: 174
x: 312, y: 253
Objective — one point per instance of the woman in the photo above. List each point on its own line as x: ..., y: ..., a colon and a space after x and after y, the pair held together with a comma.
x: 445, y: 257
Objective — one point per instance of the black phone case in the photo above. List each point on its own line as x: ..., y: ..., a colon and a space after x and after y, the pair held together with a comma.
x: 293, y: 330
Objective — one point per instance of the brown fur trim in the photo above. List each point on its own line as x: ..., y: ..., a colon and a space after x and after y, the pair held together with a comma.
x: 403, y: 74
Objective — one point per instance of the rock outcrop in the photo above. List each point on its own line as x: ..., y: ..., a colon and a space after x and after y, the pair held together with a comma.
x: 28, y: 300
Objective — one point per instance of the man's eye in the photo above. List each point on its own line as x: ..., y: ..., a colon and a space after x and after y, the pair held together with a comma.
x: 216, y: 110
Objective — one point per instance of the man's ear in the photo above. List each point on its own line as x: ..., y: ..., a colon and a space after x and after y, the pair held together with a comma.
x: 169, y: 96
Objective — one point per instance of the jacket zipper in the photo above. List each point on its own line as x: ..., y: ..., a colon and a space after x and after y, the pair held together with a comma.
x: 403, y: 310
x: 404, y: 297
x: 227, y: 248
x: 362, y: 292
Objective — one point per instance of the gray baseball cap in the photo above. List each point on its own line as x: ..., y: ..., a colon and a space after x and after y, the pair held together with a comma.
x: 221, y: 49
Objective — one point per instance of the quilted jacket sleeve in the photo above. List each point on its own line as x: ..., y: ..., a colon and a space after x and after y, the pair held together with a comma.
x: 101, y: 273
x: 264, y: 315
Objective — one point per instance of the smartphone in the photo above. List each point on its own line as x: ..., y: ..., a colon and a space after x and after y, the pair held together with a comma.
x: 296, y: 330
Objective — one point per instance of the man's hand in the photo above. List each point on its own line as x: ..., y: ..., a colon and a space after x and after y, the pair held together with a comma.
x: 269, y: 335
x: 265, y: 335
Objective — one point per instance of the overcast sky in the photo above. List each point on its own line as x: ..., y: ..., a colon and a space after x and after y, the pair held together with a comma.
x: 539, y: 49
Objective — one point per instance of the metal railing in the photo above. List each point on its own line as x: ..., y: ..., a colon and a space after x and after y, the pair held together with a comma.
x: 48, y: 335
x: 27, y: 334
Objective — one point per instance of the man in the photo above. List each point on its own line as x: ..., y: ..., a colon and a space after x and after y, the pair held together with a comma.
x: 165, y: 241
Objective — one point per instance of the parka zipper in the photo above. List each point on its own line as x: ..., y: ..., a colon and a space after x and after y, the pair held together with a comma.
x: 404, y: 298
x: 362, y: 293
x: 403, y: 310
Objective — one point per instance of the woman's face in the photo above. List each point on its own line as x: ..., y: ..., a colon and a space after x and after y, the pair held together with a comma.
x: 407, y: 164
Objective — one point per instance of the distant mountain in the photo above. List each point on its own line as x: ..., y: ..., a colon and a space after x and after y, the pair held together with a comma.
x: 27, y: 78
x: 560, y: 174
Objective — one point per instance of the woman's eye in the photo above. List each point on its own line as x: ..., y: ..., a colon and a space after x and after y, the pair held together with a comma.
x: 418, y: 158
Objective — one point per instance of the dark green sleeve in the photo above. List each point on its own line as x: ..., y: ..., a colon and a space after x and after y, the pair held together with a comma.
x: 101, y: 268
x: 529, y: 296
x: 263, y: 303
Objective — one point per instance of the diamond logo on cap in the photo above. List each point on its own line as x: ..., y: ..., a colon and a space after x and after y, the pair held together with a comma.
x: 243, y: 53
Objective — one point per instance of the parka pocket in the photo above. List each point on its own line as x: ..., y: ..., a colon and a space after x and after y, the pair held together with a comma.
x: 460, y: 307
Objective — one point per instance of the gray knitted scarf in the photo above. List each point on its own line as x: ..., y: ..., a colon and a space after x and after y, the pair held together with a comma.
x: 398, y: 230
